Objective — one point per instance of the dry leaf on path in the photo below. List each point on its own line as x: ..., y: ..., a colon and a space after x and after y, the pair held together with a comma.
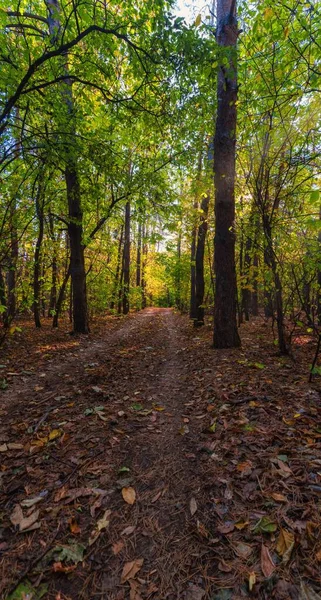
x: 243, y: 550
x: 24, y: 523
x: 102, y: 523
x: 128, y: 530
x: 308, y: 593
x: 130, y: 569
x: 252, y: 580
x: 135, y: 589
x: 117, y: 547
x: 285, y: 544
x: 129, y: 495
x: 267, y: 564
x: 278, y: 497
x: 193, y: 506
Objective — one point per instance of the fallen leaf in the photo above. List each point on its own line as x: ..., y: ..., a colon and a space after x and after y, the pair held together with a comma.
x: 193, y: 506
x: 72, y: 552
x: 226, y: 527
x: 241, y: 524
x: 101, y: 524
x: 117, y: 547
x: 129, y: 495
x: 243, y: 550
x: 55, y: 433
x: 267, y: 564
x: 252, y: 580
x: 25, y: 591
x: 135, y: 589
x: 24, y: 523
x: 285, y: 544
x: 278, y: 497
x: 157, y: 496
x: 265, y: 525
x: 73, y: 526
x: 58, y: 567
x: 130, y: 569
x: 308, y: 593
x: 128, y: 530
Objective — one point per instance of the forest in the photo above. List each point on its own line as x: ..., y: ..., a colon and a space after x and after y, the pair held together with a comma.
x: 160, y: 300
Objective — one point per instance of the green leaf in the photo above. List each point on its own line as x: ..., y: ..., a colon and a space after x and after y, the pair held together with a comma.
x: 198, y: 20
x: 25, y: 591
x: 265, y: 525
x: 137, y: 406
x: 315, y: 195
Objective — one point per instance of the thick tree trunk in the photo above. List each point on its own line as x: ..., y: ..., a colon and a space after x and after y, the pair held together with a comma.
x: 77, y: 258
x: 178, y: 302
x: 225, y: 325
x: 126, y: 269
x: 199, y: 262
x: 37, y: 255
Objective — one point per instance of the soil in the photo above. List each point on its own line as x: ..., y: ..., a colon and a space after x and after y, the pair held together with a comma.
x: 161, y: 468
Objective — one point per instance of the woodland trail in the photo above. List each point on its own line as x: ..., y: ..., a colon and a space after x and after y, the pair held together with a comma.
x: 148, y: 406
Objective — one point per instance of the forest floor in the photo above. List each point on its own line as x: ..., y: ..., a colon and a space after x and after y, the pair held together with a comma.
x: 138, y: 462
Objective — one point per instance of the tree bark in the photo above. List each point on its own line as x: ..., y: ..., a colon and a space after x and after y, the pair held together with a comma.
x: 116, y: 281
x: 37, y: 255
x: 126, y: 269
x: 225, y: 325
x: 199, y: 262
x: 139, y: 255
x: 54, y: 270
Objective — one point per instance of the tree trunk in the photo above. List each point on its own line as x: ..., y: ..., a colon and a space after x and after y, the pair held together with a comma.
x: 119, y: 256
x: 3, y: 300
x: 255, y: 294
x: 271, y: 261
x: 245, y: 292
x: 126, y: 270
x: 225, y: 325
x: 60, y: 298
x: 13, y: 260
x: 54, y: 271
x: 144, y: 263
x: 37, y: 255
x: 199, y: 262
x: 75, y: 226
x: 139, y: 255
x: 178, y: 272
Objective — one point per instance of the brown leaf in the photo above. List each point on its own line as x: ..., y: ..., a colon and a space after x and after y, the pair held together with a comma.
x: 285, y: 544
x: 24, y: 523
x: 135, y: 588
x: 226, y: 527
x: 278, y: 497
x: 308, y: 593
x: 243, y: 550
x: 267, y: 564
x: 58, y: 567
x: 130, y: 569
x: 73, y: 526
x: 117, y: 547
x: 193, y: 506
x: 129, y: 495
x: 128, y: 530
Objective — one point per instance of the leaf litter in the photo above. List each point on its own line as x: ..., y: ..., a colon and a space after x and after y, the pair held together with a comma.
x: 251, y: 454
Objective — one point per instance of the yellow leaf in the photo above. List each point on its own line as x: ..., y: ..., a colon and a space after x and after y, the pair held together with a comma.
x: 285, y: 544
x: 268, y: 13
x: 252, y: 580
x: 198, y: 20
x: 129, y: 495
x: 54, y: 434
x: 241, y: 524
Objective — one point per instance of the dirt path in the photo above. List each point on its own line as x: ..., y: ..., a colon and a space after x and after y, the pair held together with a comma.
x: 147, y: 405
